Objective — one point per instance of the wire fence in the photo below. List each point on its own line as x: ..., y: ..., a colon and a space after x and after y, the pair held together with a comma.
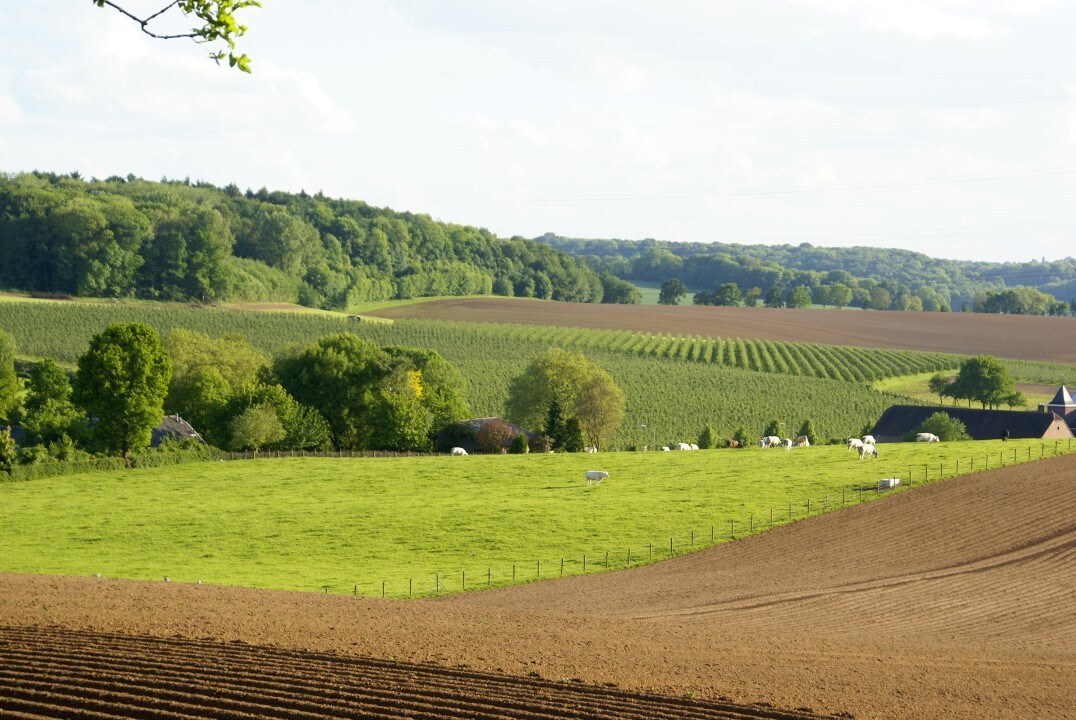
x: 636, y: 554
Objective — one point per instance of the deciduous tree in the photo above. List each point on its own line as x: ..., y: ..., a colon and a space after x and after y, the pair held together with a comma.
x: 599, y: 407
x: 9, y: 381
x: 121, y: 383
x: 671, y: 292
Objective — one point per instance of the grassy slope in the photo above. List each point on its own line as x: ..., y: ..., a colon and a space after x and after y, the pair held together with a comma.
x: 313, y: 523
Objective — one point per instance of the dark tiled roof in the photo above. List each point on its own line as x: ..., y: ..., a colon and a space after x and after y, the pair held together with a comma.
x: 1062, y: 398
x: 899, y: 420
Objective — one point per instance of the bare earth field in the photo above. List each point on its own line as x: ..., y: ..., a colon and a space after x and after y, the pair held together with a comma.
x: 1048, y: 339
x: 953, y: 600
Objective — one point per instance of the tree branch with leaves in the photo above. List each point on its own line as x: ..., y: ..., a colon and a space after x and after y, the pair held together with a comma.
x: 217, y: 24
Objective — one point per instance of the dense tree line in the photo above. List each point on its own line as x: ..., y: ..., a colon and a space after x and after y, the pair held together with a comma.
x: 341, y: 392
x: 173, y: 240
x: 879, y: 278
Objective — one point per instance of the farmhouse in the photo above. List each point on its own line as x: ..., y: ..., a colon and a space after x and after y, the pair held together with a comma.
x: 463, y: 433
x: 898, y: 421
x: 171, y: 427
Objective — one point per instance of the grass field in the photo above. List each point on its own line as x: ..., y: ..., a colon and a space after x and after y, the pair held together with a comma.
x: 331, y: 524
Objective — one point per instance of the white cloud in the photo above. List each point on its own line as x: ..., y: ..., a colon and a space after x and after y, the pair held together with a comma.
x: 919, y: 19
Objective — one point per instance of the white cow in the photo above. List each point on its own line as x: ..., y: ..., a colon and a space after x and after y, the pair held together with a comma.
x: 867, y: 450
x: 854, y: 443
x: 788, y: 443
x: 595, y: 476
x: 458, y: 451
x: 927, y: 438
x: 770, y: 441
x: 802, y: 441
x: 683, y: 446
x: 694, y: 446
x: 590, y: 449
x: 665, y: 448
x: 869, y: 440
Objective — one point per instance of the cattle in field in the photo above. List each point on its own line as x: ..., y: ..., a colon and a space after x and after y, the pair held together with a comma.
x: 854, y: 443
x: 732, y: 443
x: 694, y: 446
x: 458, y: 451
x: 770, y: 441
x: 788, y: 443
x: 683, y: 446
x: 802, y: 441
x: 595, y: 476
x: 665, y: 448
x: 868, y: 450
x: 927, y: 438
x: 869, y: 440
x: 590, y: 449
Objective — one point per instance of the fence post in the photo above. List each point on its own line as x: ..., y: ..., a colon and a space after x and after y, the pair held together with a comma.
x: 489, y: 576
x: 692, y: 538
x: 409, y: 587
x: 941, y: 470
x: 584, y: 563
x: 711, y: 534
x: 771, y: 517
x: 562, y: 567
x: 539, y: 568
x: 790, y: 511
x: 355, y: 590
x: 606, y: 559
x: 463, y: 579
x: 752, y: 521
x: 382, y: 589
x: 436, y: 584
x: 732, y: 528
x: 513, y: 572
x: 670, y: 546
x: 808, y: 506
x: 629, y: 556
x: 651, y: 546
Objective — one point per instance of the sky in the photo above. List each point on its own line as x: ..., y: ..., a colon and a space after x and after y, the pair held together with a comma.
x: 946, y: 127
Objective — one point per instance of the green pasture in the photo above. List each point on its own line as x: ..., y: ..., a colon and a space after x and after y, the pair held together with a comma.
x: 320, y: 524
x: 915, y: 387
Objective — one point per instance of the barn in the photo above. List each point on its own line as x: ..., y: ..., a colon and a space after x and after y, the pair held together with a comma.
x: 898, y: 421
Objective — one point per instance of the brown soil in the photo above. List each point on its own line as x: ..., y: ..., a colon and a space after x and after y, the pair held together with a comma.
x: 954, y: 600
x: 1049, y: 339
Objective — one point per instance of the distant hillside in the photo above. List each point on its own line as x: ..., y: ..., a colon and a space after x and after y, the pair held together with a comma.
x: 174, y: 240
x: 980, y: 285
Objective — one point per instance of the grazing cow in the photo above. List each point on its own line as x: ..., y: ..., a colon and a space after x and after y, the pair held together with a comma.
x: 683, y: 446
x: 694, y: 446
x: 854, y: 443
x: 665, y: 448
x: 788, y: 443
x: 869, y: 440
x: 732, y: 443
x: 457, y: 451
x: 867, y: 450
x: 595, y: 476
x: 590, y: 449
x: 770, y: 441
x: 927, y: 438
x: 802, y: 441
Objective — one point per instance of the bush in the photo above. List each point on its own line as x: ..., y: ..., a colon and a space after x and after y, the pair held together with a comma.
x: 519, y: 445
x: 741, y: 436
x: 807, y: 428
x: 945, y: 427
x: 707, y: 438
x: 541, y: 444
x: 775, y: 428
x: 494, y: 436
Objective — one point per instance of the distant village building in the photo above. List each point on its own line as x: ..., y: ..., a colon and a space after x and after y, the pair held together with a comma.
x: 463, y: 433
x: 900, y: 421
x: 172, y: 427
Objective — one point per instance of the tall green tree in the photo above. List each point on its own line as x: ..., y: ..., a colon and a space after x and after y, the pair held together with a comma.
x: 556, y: 374
x: 47, y: 412
x: 985, y: 380
x: 671, y: 292
x: 339, y: 376
x: 122, y: 381
x: 599, y: 407
x: 939, y: 383
x: 9, y: 381
x: 256, y: 427
x: 799, y: 297
x: 727, y: 294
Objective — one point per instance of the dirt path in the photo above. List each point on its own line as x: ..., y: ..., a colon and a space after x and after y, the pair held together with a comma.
x: 950, y: 601
x: 1049, y: 339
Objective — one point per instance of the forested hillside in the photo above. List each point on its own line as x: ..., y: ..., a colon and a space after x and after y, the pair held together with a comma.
x: 910, y: 280
x: 174, y: 240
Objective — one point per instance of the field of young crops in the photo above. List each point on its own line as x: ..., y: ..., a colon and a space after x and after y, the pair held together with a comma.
x: 316, y: 523
x: 674, y: 385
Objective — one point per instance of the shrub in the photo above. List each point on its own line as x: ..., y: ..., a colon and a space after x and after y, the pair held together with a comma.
x: 741, y: 436
x: 519, y: 445
x: 945, y: 427
x: 807, y: 428
x: 707, y: 438
x: 494, y: 436
x: 541, y: 444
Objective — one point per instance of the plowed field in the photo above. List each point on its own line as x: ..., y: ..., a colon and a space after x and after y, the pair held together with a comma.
x: 1048, y: 339
x: 954, y: 600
